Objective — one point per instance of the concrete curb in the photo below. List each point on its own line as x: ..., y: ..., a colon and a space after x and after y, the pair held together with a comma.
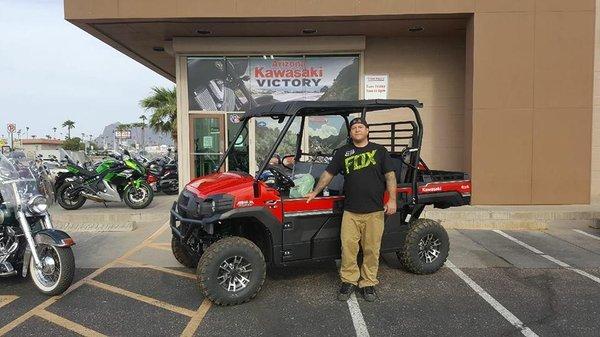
x: 98, y: 227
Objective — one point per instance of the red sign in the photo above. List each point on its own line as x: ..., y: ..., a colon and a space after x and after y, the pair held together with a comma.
x: 11, y: 128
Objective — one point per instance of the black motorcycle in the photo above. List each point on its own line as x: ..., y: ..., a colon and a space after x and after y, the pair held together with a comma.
x: 163, y: 175
x: 28, y: 241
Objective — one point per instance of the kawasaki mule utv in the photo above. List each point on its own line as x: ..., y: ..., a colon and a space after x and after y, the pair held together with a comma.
x: 230, y: 225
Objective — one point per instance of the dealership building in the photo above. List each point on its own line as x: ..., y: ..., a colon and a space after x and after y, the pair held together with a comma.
x: 507, y: 86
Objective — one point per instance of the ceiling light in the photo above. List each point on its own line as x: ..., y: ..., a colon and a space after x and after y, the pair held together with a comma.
x: 414, y: 29
x: 203, y: 31
x: 309, y: 31
x: 158, y: 48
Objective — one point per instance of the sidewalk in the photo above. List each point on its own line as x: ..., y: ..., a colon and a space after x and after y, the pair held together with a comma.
x: 117, y: 217
x: 514, y: 217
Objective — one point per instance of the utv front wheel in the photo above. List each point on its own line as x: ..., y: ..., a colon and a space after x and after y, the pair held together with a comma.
x: 231, y: 271
x: 425, y: 248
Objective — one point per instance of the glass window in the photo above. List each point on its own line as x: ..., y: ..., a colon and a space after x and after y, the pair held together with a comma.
x: 267, y: 130
x: 238, y: 158
x: 326, y: 133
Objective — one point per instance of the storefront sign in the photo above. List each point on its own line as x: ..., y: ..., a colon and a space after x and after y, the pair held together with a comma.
x: 237, y: 84
x: 376, y: 86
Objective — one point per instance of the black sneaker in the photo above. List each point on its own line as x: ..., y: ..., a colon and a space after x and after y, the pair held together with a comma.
x: 345, y: 291
x: 369, y: 294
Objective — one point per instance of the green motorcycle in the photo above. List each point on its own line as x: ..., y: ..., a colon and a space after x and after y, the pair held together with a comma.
x: 112, y: 180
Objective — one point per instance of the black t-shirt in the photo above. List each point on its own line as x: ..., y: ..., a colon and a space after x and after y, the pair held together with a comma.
x: 364, y: 170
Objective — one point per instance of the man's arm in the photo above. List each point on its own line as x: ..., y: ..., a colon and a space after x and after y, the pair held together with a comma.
x: 324, y: 180
x: 390, y: 182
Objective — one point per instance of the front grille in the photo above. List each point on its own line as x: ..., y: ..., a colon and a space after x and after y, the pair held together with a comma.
x: 191, y: 206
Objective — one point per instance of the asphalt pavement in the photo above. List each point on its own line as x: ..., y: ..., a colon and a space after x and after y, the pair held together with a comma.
x: 496, y: 283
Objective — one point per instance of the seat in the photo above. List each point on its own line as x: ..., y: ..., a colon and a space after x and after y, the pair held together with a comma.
x: 400, y: 169
x: 316, y: 169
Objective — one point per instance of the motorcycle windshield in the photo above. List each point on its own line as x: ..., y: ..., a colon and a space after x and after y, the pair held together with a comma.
x: 64, y: 155
x: 18, y: 180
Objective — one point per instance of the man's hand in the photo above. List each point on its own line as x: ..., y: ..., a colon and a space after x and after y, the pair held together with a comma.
x: 390, y: 207
x: 310, y: 196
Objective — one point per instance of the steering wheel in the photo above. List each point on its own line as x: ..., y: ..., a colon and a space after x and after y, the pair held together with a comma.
x: 281, y: 179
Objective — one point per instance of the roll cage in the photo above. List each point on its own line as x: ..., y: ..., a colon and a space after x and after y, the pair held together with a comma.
x: 303, y: 109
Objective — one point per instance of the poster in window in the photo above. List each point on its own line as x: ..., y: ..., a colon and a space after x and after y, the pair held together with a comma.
x: 239, y: 83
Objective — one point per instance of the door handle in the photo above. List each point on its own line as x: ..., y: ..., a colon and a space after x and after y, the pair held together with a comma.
x: 271, y: 203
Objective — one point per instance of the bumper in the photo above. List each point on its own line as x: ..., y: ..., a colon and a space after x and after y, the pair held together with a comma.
x: 207, y: 224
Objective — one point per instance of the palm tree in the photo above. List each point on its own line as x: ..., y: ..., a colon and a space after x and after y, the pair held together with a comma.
x: 143, y: 118
x: 69, y: 124
x: 54, y: 129
x: 48, y: 137
x: 26, y: 132
x: 163, y: 105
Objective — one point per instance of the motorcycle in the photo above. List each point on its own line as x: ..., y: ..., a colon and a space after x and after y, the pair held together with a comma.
x: 163, y: 175
x: 28, y: 241
x: 111, y: 181
x: 222, y: 86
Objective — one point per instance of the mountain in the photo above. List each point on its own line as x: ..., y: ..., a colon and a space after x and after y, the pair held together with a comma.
x: 151, y: 137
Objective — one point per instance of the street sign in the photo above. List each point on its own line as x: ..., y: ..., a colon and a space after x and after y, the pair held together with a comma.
x: 124, y: 134
x: 11, y: 127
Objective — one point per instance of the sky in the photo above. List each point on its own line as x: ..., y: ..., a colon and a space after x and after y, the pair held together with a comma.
x: 51, y: 71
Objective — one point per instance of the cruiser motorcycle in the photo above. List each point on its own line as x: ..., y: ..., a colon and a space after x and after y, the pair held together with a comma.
x: 28, y: 241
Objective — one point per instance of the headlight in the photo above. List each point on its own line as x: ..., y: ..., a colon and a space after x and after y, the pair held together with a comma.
x: 215, y: 204
x: 38, y: 204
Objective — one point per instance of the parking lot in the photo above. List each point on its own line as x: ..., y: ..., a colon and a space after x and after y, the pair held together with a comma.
x: 496, y: 283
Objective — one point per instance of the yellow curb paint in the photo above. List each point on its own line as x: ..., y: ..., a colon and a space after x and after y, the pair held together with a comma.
x: 162, y: 269
x: 142, y: 298
x: 8, y: 327
x: 69, y: 325
x: 159, y: 247
x: 194, y: 323
x: 6, y: 299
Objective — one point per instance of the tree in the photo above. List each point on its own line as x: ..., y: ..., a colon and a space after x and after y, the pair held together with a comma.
x: 48, y: 137
x: 143, y: 118
x: 69, y: 124
x: 73, y: 144
x: 163, y: 106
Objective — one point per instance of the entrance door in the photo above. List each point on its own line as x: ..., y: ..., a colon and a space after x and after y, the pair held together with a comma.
x: 207, y: 143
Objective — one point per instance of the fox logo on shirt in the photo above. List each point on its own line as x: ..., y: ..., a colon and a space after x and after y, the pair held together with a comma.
x: 360, y: 161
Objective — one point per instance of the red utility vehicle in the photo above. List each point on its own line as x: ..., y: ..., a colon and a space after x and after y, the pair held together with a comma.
x: 230, y: 225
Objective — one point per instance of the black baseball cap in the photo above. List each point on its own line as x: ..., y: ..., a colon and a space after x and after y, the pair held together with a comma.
x: 359, y: 120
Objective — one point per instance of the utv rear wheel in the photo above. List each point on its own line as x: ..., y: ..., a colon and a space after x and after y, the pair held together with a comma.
x: 425, y: 248
x: 231, y: 271
x: 182, y: 255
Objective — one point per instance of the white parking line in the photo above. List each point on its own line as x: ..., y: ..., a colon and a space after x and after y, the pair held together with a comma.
x: 587, y: 234
x: 548, y: 257
x: 357, y: 318
x: 509, y: 316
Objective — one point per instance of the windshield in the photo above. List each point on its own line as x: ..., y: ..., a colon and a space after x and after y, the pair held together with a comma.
x: 20, y: 180
x: 64, y: 155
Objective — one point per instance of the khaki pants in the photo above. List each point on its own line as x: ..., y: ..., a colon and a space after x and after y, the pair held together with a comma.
x: 366, y: 229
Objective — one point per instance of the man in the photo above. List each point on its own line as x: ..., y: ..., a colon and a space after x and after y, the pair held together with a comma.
x: 368, y: 171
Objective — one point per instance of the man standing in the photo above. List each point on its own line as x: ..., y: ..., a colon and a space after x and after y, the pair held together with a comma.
x: 368, y: 171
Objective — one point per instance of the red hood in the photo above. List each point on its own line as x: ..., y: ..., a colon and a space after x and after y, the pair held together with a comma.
x: 218, y: 183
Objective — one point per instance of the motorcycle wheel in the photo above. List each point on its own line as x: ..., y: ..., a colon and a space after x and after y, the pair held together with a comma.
x: 138, y: 197
x: 58, y: 268
x: 67, y: 203
x: 171, y: 190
